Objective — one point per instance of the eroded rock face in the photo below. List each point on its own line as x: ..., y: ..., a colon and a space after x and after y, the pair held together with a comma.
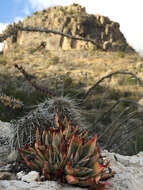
x: 72, y: 20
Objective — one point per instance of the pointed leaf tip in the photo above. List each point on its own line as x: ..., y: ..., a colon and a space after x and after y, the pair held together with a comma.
x: 57, y: 119
x: 94, y: 139
x: 71, y: 179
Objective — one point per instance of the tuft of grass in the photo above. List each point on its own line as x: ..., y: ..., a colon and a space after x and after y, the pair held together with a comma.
x: 32, y: 50
x: 130, y: 81
x: 54, y: 60
x: 3, y: 60
x: 121, y: 54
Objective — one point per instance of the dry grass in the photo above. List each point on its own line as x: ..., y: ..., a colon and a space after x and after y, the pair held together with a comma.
x: 80, y: 70
x: 83, y: 67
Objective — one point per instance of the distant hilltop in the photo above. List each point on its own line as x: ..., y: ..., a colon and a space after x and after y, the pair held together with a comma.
x: 72, y: 20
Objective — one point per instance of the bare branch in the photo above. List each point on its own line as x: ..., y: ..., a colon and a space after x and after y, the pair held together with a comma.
x: 45, y: 30
x: 109, y: 76
x: 28, y: 78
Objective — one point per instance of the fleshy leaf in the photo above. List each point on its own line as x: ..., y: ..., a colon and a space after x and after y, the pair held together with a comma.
x: 66, y: 153
x: 71, y: 180
x: 45, y: 172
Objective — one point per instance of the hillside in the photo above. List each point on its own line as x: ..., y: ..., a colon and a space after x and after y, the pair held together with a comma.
x: 72, y: 20
x: 71, y: 67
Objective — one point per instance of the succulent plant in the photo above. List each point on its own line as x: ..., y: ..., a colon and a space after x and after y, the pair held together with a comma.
x: 63, y: 152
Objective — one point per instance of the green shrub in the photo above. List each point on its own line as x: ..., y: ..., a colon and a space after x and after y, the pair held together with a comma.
x: 68, y: 81
x: 130, y: 81
x: 32, y: 50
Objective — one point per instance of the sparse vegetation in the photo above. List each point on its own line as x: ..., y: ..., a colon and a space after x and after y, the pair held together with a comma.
x: 121, y: 54
x: 3, y: 60
x: 54, y: 60
x: 32, y: 50
x: 84, y: 68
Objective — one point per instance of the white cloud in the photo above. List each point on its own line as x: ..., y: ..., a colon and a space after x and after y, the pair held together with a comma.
x: 40, y: 4
x: 1, y: 46
x: 17, y: 19
x: 2, y: 27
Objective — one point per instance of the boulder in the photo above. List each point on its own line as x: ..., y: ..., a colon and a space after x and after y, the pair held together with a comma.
x: 31, y: 176
x: 5, y: 129
x: 129, y: 171
x: 5, y: 134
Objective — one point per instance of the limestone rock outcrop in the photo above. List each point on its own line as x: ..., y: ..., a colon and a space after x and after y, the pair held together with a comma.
x: 129, y: 176
x: 129, y: 171
x: 72, y: 20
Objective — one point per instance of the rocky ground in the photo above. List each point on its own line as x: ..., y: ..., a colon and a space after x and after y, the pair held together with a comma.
x: 129, y: 171
x: 5, y: 133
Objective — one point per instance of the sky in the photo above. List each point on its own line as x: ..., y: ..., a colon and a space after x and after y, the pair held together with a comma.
x: 129, y: 13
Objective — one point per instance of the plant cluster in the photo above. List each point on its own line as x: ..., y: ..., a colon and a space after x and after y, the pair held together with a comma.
x: 11, y: 102
x: 113, y: 133
x: 63, y: 152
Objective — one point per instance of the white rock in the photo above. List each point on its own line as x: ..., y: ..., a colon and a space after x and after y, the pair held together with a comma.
x: 140, y: 106
x: 31, y: 176
x: 21, y: 174
x: 5, y: 128
x: 47, y: 185
x: 129, y: 176
x: 13, y: 156
x: 129, y: 171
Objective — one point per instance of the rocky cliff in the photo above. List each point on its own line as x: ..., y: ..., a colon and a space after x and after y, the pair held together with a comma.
x: 72, y: 20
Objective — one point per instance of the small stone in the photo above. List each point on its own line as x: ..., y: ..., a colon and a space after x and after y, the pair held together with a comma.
x: 31, y: 176
x: 6, y: 168
x: 6, y: 176
x: 21, y: 174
